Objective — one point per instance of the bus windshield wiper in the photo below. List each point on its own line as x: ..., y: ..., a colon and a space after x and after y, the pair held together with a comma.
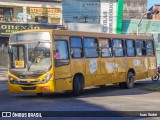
x: 36, y: 44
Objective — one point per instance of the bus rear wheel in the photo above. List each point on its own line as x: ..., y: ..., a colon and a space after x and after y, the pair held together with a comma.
x: 129, y: 81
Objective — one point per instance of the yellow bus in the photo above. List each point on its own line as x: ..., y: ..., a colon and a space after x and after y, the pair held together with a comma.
x: 44, y: 61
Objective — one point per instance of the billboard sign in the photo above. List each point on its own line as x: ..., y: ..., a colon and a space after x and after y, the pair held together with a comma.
x: 109, y: 16
x: 7, y: 28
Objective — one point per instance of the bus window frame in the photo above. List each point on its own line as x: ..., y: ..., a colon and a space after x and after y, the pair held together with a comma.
x: 97, y: 48
x: 54, y: 40
x: 110, y: 46
x: 24, y: 52
x: 144, y: 43
x: 153, y: 47
x: 134, y: 47
x: 123, y: 47
x: 76, y: 47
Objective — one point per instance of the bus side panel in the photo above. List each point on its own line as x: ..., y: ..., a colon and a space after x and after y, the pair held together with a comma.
x: 141, y: 65
x: 130, y: 65
x: 78, y: 66
x: 63, y: 84
x: 107, y: 70
x: 93, y: 71
x: 120, y: 70
x: 152, y: 66
x: 63, y: 78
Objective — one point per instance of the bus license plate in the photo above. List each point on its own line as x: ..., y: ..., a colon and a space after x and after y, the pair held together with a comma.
x: 19, y: 64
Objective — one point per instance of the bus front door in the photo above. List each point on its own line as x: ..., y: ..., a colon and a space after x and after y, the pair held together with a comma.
x: 62, y: 69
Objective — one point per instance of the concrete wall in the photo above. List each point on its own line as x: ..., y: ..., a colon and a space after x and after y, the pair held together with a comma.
x: 154, y: 16
x: 134, y: 8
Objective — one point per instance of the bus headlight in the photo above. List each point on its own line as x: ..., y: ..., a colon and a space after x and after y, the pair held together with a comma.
x: 13, y: 81
x: 46, y: 79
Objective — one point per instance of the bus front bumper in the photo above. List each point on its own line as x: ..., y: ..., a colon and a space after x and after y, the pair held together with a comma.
x: 38, y: 88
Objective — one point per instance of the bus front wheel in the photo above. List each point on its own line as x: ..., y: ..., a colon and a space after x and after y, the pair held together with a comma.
x: 39, y: 94
x: 129, y: 81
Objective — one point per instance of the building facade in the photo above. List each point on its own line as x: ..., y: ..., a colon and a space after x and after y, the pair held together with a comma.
x: 134, y: 9
x: 148, y: 27
x: 154, y: 16
x: 28, y: 14
x: 96, y: 15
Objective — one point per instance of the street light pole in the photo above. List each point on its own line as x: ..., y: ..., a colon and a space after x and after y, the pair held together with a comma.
x: 152, y: 12
x: 140, y: 22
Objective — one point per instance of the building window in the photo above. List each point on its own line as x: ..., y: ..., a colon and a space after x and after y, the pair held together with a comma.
x: 6, y: 14
x: 41, y: 19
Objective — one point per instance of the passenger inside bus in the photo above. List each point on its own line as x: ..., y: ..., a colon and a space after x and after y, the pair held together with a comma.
x: 76, y: 53
x: 57, y: 55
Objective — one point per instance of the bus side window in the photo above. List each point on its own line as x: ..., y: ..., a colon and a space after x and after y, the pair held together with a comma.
x: 140, y: 48
x: 105, y: 47
x: 130, y: 48
x: 90, y: 47
x: 118, y: 48
x: 61, y: 53
x: 149, y: 48
x: 76, y: 47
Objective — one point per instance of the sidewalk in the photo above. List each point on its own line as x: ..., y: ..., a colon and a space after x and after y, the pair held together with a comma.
x: 3, y: 68
x: 3, y: 73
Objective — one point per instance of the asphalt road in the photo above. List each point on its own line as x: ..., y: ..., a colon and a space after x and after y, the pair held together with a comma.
x: 112, y: 98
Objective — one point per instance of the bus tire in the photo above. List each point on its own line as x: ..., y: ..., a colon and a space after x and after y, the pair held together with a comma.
x: 76, y: 86
x: 129, y: 81
x: 39, y: 94
x: 102, y: 86
x: 122, y: 85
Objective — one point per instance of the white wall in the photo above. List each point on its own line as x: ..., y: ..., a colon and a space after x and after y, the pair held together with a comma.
x: 84, y: 27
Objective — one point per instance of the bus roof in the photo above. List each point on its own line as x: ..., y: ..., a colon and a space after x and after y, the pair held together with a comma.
x: 37, y: 30
x: 87, y: 34
x: 99, y: 35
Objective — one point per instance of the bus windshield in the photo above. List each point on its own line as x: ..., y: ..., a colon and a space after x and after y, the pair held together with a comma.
x: 30, y: 57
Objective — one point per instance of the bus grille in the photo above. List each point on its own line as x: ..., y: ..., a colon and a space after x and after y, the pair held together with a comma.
x: 28, y: 76
x: 28, y: 83
x: 28, y: 88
